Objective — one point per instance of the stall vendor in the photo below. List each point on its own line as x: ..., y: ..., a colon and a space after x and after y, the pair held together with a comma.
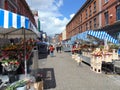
x: 73, y: 49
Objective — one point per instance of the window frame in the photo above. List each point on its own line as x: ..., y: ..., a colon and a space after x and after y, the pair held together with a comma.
x: 95, y: 22
x: 94, y: 7
x: 90, y: 24
x: 106, y: 15
x: 117, y: 13
x: 90, y: 10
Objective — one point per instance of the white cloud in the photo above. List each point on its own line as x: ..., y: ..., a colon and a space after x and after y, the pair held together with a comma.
x: 72, y: 15
x: 49, y: 15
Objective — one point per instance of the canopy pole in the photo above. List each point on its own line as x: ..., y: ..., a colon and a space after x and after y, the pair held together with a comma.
x: 25, y: 62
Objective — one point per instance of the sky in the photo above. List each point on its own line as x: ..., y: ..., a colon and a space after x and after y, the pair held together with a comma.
x: 55, y: 14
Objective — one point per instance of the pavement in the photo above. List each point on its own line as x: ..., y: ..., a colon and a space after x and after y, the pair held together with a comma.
x: 70, y: 76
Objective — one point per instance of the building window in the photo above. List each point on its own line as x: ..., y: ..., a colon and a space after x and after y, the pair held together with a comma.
x: 106, y: 18
x: 94, y: 7
x: 86, y: 26
x: 86, y: 13
x: 118, y: 13
x: 106, y: 1
x: 81, y: 18
x: 90, y: 25
x: 90, y: 11
x: 95, y: 23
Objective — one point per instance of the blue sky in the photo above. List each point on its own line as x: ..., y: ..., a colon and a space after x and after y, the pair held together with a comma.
x: 71, y: 7
x: 55, y: 14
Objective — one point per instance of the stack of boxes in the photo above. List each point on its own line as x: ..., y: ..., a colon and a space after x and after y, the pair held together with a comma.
x: 96, y: 60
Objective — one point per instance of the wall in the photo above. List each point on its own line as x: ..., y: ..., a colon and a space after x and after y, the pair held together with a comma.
x: 109, y: 7
x: 64, y: 35
x: 80, y: 22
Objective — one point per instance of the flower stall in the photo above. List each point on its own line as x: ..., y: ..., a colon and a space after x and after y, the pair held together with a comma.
x: 99, y: 50
x: 17, y: 38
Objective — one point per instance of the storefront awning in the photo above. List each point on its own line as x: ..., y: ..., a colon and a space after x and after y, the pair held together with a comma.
x: 102, y: 35
x: 10, y: 21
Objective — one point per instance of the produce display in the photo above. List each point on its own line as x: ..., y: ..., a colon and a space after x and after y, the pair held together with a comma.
x: 12, y: 55
x: 10, y: 64
x: 97, y: 52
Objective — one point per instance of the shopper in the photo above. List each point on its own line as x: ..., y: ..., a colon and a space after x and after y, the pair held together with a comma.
x: 60, y: 47
x: 57, y: 48
x: 73, y: 49
x: 51, y: 48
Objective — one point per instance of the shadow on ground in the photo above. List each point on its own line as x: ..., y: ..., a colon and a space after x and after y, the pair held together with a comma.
x: 47, y: 75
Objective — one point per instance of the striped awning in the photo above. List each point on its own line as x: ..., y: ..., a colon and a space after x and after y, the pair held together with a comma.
x: 10, y: 20
x: 74, y: 38
x: 102, y: 35
x: 83, y: 36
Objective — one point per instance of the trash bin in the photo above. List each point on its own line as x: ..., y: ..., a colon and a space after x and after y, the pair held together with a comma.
x: 42, y: 50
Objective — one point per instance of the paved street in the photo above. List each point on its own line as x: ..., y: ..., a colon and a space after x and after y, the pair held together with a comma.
x: 70, y: 76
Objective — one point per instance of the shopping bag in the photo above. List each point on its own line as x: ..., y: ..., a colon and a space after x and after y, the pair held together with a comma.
x: 38, y: 85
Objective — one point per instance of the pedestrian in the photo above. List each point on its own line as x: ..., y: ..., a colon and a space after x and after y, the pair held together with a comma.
x: 60, y: 47
x: 57, y: 48
x: 48, y: 48
x: 51, y: 48
x: 73, y: 49
x: 80, y: 55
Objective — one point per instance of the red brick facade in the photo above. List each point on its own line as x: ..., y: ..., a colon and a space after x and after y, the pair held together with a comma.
x: 10, y: 5
x: 86, y: 18
x: 109, y: 7
x: 104, y: 17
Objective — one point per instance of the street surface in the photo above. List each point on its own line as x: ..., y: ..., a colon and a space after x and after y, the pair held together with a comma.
x: 70, y: 76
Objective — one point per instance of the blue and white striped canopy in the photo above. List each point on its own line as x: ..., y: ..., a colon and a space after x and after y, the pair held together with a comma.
x: 83, y: 36
x: 9, y: 19
x: 102, y: 35
x: 12, y: 20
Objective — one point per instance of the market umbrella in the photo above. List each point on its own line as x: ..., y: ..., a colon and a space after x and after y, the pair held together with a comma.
x: 10, y: 22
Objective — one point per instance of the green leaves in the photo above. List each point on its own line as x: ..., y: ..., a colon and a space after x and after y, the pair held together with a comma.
x: 20, y: 83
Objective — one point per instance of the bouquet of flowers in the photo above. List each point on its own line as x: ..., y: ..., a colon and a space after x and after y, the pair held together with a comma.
x: 10, y: 64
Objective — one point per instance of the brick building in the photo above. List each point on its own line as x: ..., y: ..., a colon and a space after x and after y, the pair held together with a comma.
x: 111, y: 17
x: 86, y: 18
x: 96, y: 15
x: 19, y: 7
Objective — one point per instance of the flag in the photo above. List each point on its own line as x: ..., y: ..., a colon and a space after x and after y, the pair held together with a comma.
x: 38, y: 25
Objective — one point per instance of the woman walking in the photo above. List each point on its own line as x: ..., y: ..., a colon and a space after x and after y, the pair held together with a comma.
x: 51, y: 48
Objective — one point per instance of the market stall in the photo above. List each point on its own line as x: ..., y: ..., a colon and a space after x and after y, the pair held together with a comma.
x: 99, y: 50
x: 14, y: 55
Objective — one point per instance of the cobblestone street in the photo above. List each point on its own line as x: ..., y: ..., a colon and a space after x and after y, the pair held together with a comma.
x: 70, y: 76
